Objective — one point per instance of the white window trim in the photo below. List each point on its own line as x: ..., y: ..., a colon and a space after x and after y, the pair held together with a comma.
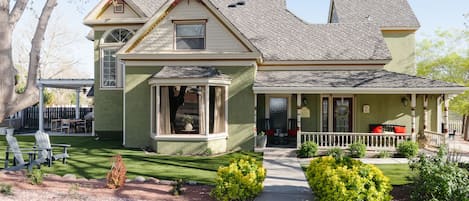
x: 331, y: 110
x: 190, y: 138
x: 187, y: 22
x: 180, y: 137
x: 119, y: 71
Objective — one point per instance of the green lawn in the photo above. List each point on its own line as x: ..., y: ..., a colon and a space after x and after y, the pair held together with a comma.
x: 91, y: 159
x: 397, y: 173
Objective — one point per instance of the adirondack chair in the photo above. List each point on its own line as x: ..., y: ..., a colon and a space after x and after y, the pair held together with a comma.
x: 18, y: 160
x: 43, y: 143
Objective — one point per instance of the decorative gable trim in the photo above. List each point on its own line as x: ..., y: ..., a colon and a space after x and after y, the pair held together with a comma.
x: 163, y: 12
x: 98, y: 10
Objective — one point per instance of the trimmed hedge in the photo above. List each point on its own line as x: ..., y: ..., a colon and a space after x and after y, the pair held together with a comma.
x: 241, y: 180
x: 408, y: 149
x: 347, y: 179
x: 308, y: 150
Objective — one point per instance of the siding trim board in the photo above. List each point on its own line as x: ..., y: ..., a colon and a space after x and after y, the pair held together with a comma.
x: 333, y: 90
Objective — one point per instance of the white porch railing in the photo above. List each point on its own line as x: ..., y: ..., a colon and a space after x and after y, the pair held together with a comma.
x: 372, y: 141
x: 435, y: 139
x: 455, y: 125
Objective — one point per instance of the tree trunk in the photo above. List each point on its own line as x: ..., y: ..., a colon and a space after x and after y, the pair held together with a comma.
x: 10, y: 101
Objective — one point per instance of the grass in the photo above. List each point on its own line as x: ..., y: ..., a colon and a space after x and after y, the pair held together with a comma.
x: 398, y: 173
x: 91, y: 159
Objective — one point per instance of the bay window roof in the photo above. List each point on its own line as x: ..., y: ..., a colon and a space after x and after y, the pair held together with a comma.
x: 190, y: 74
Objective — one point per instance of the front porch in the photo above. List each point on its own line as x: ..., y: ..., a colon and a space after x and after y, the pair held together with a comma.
x: 338, y: 108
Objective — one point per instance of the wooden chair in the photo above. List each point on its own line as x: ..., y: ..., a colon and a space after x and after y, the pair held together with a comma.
x: 46, y: 148
x: 18, y: 160
x: 81, y: 125
x: 65, y: 124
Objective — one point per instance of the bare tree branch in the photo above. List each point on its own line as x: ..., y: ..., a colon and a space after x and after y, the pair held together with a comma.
x: 17, y: 11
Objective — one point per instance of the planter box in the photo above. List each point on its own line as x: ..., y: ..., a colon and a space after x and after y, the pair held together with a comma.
x: 3, y: 130
x: 261, y: 141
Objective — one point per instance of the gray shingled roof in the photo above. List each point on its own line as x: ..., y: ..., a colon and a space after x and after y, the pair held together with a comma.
x: 386, y: 13
x: 149, y: 7
x: 189, y: 72
x: 345, y: 79
x: 281, y: 36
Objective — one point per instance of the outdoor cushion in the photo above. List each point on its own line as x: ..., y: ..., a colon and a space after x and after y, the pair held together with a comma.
x: 293, y: 132
x: 399, y: 129
x: 377, y: 129
x: 270, y: 132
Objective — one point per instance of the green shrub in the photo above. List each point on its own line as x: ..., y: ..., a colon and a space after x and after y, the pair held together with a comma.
x: 241, y: 180
x: 438, y: 179
x: 308, y: 150
x: 347, y: 179
x: 5, y: 189
x: 357, y: 150
x: 336, y: 152
x: 384, y: 154
x: 408, y: 149
x: 36, y: 177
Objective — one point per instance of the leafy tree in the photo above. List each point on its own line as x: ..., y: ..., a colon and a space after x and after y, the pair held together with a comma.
x: 445, y: 56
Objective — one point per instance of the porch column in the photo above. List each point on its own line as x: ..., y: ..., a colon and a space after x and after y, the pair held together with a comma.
x: 207, y: 115
x: 298, y: 120
x: 439, y: 115
x: 446, y: 118
x: 41, y: 107
x: 77, y: 106
x: 425, y: 112
x: 413, y: 106
x: 255, y: 120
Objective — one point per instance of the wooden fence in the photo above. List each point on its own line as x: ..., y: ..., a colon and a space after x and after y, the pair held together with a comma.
x: 30, y: 116
x: 372, y: 141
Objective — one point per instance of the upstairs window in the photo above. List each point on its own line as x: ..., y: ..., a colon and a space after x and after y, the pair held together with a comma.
x: 118, y: 36
x: 111, y: 68
x: 190, y: 35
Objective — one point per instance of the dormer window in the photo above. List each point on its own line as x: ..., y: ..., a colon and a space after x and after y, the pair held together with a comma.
x: 190, y: 35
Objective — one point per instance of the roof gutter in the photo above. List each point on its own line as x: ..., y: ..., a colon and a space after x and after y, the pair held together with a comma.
x: 351, y: 90
x: 326, y: 62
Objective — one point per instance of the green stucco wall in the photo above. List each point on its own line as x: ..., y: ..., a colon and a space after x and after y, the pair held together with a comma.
x: 311, y: 124
x: 108, y: 103
x: 240, y: 110
x: 137, y: 105
x: 402, y: 47
x: 388, y: 109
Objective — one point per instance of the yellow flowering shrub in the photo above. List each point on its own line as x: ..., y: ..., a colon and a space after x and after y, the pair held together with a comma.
x: 241, y: 180
x: 347, y: 179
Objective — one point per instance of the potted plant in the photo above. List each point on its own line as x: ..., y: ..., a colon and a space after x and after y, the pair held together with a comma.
x: 3, y: 130
x: 188, y: 120
x: 261, y: 139
x: 10, y: 131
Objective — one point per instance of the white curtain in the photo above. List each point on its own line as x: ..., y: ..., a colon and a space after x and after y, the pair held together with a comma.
x: 202, y: 111
x: 219, y: 113
x: 165, y: 124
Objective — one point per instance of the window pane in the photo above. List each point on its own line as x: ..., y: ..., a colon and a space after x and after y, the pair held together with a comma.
x: 184, y: 109
x: 109, y: 69
x: 279, y: 113
x: 118, y: 35
x: 190, y: 30
x: 190, y: 43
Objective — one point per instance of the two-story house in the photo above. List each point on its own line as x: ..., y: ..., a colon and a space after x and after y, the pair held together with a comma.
x: 185, y: 76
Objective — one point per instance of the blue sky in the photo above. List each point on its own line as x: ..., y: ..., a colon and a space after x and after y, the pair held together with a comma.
x: 432, y: 14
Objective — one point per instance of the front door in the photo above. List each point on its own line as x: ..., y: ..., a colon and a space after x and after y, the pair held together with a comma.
x: 278, y: 113
x: 342, y: 114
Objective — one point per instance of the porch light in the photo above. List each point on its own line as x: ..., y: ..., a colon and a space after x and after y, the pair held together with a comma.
x: 405, y: 101
x: 304, y: 101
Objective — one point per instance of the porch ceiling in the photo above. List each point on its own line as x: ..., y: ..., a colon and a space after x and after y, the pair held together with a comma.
x: 351, y: 82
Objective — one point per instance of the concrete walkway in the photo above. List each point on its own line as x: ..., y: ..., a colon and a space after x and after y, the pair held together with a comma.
x: 285, y: 179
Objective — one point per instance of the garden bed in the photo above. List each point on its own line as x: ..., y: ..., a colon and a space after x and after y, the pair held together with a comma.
x: 62, y: 188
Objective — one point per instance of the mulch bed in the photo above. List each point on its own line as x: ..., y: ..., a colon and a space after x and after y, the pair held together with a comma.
x: 401, y: 193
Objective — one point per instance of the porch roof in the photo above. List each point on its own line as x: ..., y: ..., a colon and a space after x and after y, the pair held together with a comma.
x: 350, y: 81
x: 66, y: 83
